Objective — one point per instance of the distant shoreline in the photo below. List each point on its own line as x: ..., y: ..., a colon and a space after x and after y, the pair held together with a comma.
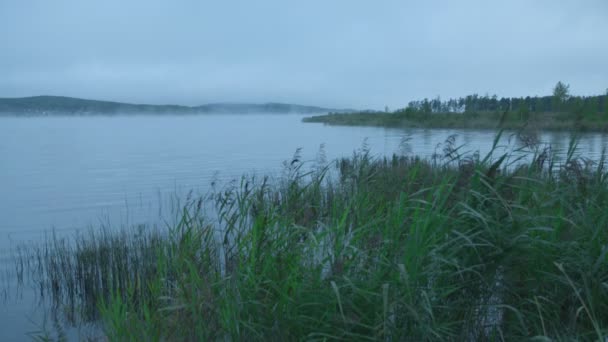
x: 69, y: 106
x: 483, y: 120
x: 559, y: 112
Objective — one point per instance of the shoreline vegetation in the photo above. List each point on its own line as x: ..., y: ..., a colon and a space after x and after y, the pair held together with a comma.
x: 61, y: 105
x: 561, y: 111
x: 455, y: 247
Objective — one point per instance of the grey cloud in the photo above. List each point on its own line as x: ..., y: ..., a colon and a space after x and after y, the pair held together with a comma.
x: 333, y: 53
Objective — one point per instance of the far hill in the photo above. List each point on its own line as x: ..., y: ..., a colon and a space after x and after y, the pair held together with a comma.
x: 60, y: 105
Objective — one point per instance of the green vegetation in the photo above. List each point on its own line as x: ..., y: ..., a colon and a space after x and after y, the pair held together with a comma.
x: 451, y: 248
x: 557, y: 112
x: 60, y: 105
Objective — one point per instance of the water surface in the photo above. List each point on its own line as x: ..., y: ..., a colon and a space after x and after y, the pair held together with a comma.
x: 69, y: 173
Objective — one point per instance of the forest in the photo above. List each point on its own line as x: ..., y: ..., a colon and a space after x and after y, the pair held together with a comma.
x: 559, y: 101
x: 558, y: 111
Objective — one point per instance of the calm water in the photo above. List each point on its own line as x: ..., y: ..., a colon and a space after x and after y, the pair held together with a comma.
x: 69, y: 173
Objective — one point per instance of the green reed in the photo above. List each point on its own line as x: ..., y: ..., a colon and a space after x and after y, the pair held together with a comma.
x: 450, y: 248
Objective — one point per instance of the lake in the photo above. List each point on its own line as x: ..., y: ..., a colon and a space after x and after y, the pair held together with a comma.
x: 70, y: 173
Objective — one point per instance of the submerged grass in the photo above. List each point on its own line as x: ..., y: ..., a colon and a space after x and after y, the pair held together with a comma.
x: 453, y: 248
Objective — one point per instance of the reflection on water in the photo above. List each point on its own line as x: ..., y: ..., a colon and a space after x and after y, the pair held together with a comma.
x: 72, y: 173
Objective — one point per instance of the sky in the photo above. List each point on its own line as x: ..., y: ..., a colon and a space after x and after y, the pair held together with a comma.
x: 341, y: 54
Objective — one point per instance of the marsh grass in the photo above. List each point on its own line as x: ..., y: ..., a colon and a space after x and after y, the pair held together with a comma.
x: 458, y: 247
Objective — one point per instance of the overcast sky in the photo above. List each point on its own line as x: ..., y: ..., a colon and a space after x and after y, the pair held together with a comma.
x: 363, y: 54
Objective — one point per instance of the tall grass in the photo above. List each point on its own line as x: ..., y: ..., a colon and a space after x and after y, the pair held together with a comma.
x: 451, y: 248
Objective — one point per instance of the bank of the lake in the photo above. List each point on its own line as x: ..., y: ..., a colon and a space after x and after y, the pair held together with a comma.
x: 455, y: 247
x: 560, y: 111
x: 70, y: 106
x: 466, y: 120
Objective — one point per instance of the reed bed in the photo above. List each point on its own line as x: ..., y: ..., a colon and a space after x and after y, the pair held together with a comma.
x: 461, y: 248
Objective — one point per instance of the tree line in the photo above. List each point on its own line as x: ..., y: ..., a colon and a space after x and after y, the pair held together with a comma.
x: 559, y: 102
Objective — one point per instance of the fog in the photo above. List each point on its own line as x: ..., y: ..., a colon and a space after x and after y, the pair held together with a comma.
x: 360, y: 54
